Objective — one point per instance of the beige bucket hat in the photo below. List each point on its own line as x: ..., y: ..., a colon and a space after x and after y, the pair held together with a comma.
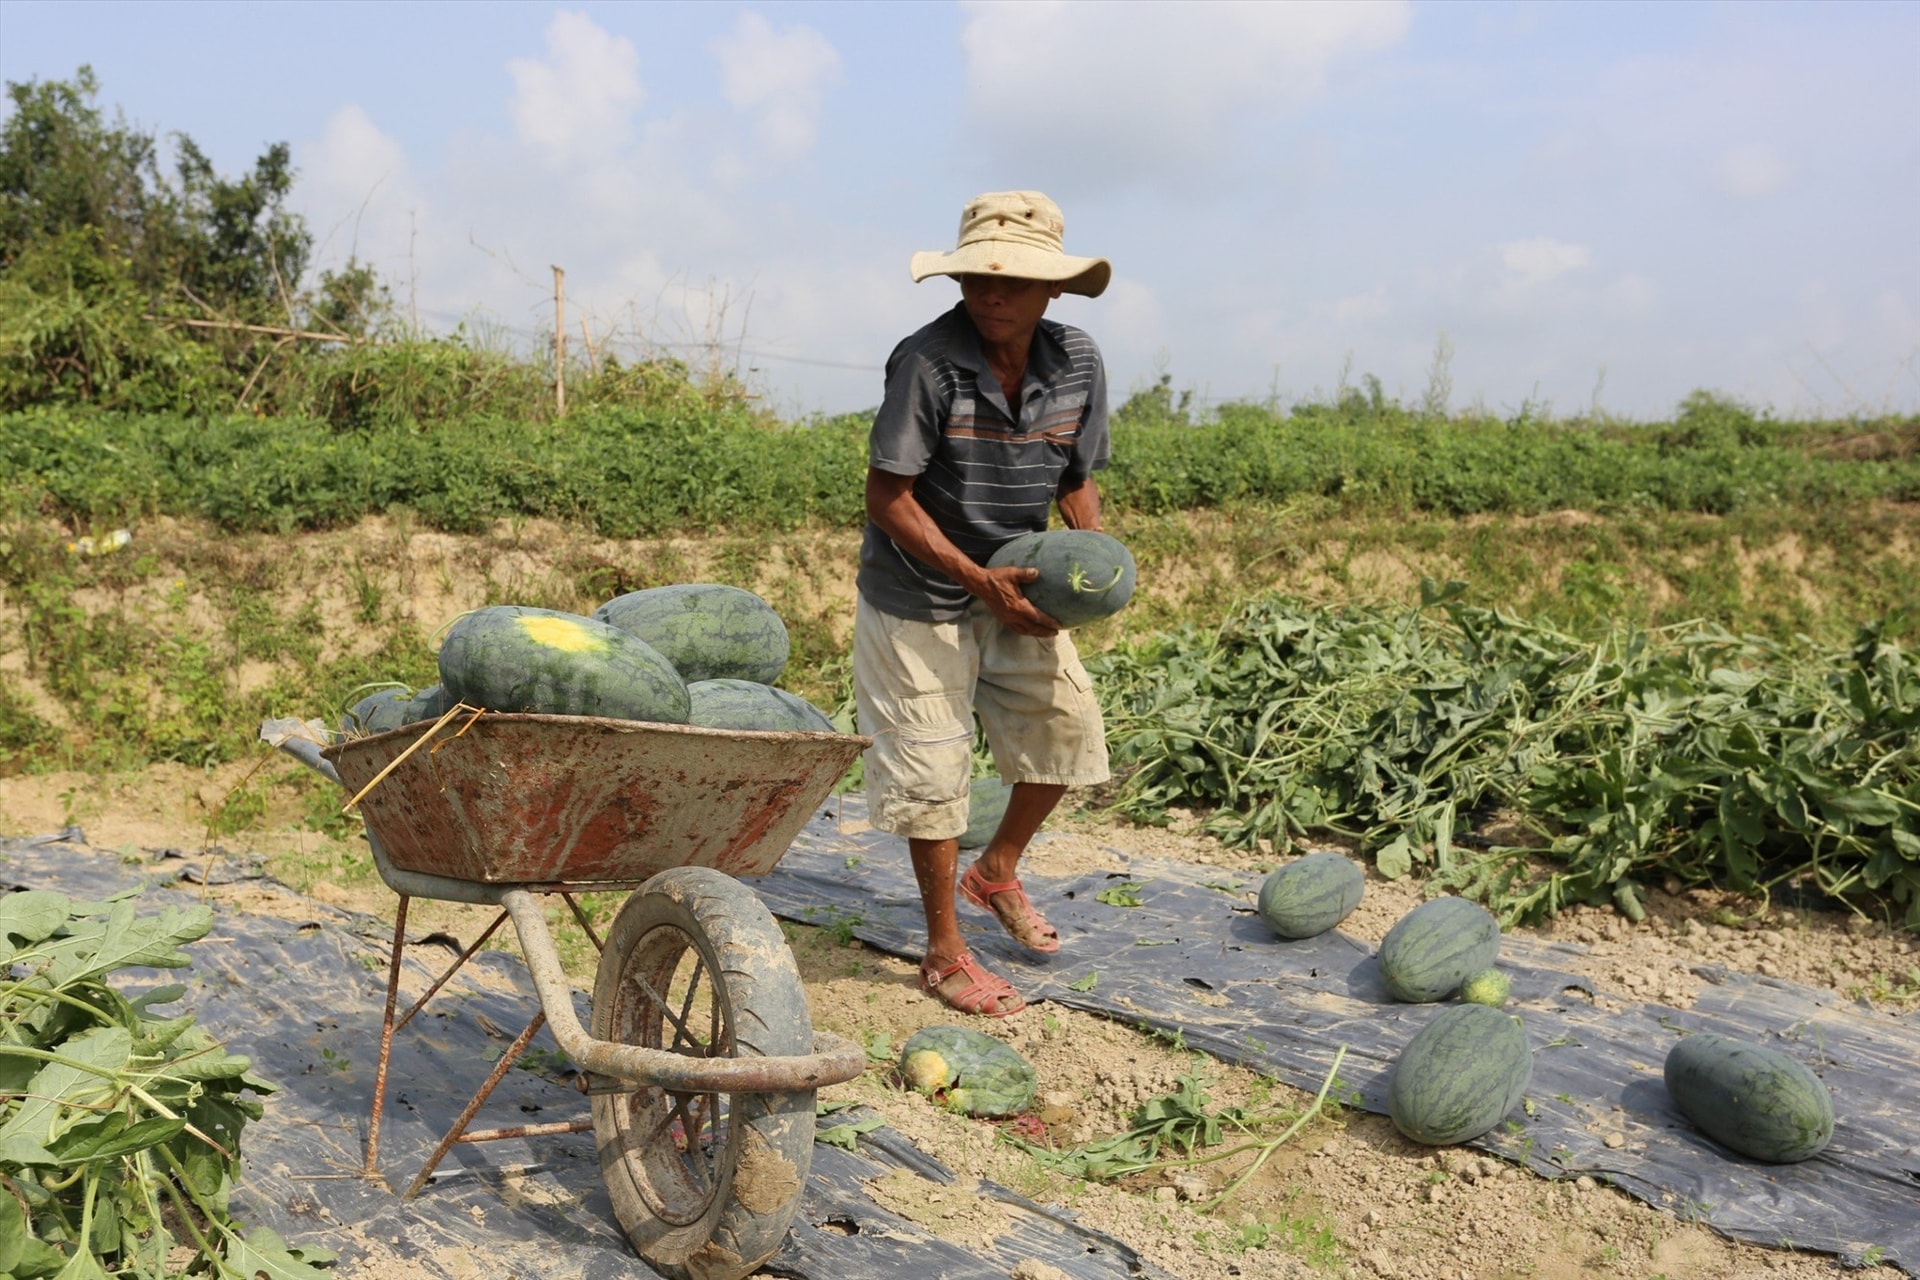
x: 1017, y: 234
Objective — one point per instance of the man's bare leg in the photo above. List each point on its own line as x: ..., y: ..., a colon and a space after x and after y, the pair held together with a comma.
x: 999, y: 862
x: 934, y: 863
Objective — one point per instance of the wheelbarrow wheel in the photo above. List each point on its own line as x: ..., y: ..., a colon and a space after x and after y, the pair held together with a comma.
x: 704, y: 1184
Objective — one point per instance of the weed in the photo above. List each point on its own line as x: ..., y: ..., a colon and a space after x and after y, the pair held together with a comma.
x: 541, y: 1061
x: 368, y: 595
x: 1309, y: 1238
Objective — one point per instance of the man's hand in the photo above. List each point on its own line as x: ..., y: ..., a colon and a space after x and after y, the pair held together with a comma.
x: 891, y: 505
x: 1000, y: 592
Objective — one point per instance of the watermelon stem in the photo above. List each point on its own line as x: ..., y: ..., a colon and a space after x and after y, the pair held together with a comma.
x: 1268, y: 1148
x: 1077, y: 579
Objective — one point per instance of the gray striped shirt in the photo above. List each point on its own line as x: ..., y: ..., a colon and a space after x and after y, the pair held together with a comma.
x: 986, y: 472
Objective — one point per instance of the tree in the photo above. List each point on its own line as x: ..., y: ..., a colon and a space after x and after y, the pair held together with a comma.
x: 102, y: 256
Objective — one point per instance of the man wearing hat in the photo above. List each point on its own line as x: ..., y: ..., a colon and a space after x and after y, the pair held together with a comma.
x: 992, y: 416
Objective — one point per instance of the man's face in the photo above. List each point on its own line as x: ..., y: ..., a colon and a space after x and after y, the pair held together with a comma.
x: 1005, y: 309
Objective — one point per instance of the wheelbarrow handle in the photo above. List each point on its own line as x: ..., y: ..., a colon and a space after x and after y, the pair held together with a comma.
x: 291, y: 736
x: 834, y: 1060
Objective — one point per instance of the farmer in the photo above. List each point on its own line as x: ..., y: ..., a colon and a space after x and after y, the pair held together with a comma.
x: 992, y: 415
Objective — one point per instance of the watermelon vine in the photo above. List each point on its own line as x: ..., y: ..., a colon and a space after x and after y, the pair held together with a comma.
x: 1687, y: 753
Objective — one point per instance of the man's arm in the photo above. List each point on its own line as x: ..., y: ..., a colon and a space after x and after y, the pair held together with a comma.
x: 1079, y: 502
x: 892, y: 506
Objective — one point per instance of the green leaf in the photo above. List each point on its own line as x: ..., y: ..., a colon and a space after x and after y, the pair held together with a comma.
x: 264, y: 1254
x: 846, y: 1135
x: 1086, y: 983
x: 1861, y: 805
x: 66, y: 1082
x: 121, y: 939
x: 82, y: 1265
x: 31, y: 916
x: 112, y: 1135
x: 26, y: 1153
x: 1395, y: 859
x: 166, y: 994
x: 1741, y: 814
x: 13, y: 1231
x: 1120, y: 895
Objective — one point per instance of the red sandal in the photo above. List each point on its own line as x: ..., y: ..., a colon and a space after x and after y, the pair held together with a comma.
x: 983, y: 989
x: 979, y: 890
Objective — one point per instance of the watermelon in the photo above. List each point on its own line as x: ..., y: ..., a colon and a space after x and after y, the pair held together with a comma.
x: 1310, y: 895
x: 708, y: 631
x: 378, y: 712
x: 430, y: 703
x: 1084, y: 574
x: 1754, y: 1100
x: 516, y: 658
x: 1459, y: 1076
x: 1488, y: 987
x: 986, y: 805
x: 744, y: 704
x: 967, y: 1071
x: 1432, y: 949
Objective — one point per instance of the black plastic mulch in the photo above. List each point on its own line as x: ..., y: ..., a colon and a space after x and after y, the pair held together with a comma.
x: 298, y: 986
x: 1194, y: 960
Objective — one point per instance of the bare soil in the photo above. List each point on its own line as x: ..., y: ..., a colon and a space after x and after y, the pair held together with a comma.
x: 1347, y: 1197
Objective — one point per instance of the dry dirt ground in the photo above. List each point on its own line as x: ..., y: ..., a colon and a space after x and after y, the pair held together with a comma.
x: 1346, y: 1197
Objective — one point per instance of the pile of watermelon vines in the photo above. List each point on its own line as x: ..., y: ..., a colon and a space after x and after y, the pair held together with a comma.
x: 1687, y: 753
x: 120, y: 1124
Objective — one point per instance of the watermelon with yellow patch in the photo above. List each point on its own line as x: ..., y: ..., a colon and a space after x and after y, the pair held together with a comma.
x: 517, y: 658
x: 967, y: 1070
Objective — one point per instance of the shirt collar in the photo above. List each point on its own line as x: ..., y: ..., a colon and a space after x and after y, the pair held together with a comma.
x: 1045, y: 358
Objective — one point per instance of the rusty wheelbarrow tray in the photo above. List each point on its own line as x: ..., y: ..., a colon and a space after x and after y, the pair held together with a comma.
x: 701, y: 1060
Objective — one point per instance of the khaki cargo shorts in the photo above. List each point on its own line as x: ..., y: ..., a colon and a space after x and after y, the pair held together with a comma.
x: 918, y: 686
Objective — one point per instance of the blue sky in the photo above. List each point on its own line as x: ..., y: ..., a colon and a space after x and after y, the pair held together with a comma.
x: 1577, y: 205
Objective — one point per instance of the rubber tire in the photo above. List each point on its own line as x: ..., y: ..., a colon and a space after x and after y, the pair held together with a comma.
x: 758, y: 1165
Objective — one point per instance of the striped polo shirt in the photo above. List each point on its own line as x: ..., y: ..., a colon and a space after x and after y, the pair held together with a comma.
x: 987, y: 471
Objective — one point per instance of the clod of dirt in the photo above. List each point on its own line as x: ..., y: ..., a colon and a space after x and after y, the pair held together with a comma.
x: 1034, y: 1269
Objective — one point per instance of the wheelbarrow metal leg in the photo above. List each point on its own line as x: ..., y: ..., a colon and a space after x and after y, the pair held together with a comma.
x: 452, y: 969
x: 371, y: 1166
x: 500, y: 1069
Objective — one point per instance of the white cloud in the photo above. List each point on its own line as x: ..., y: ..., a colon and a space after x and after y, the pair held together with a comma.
x: 1531, y: 264
x: 358, y: 193
x: 1140, y: 89
x: 1752, y: 170
x: 580, y: 99
x: 1128, y: 322
x: 1632, y: 294
x: 1361, y: 308
x: 779, y: 77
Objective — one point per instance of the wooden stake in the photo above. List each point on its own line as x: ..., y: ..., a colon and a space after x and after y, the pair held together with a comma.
x: 593, y: 361
x: 559, y: 343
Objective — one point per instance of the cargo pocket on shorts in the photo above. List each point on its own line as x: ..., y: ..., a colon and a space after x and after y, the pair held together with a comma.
x: 931, y: 763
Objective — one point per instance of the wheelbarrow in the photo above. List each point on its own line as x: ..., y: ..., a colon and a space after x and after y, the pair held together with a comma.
x: 701, y: 1061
